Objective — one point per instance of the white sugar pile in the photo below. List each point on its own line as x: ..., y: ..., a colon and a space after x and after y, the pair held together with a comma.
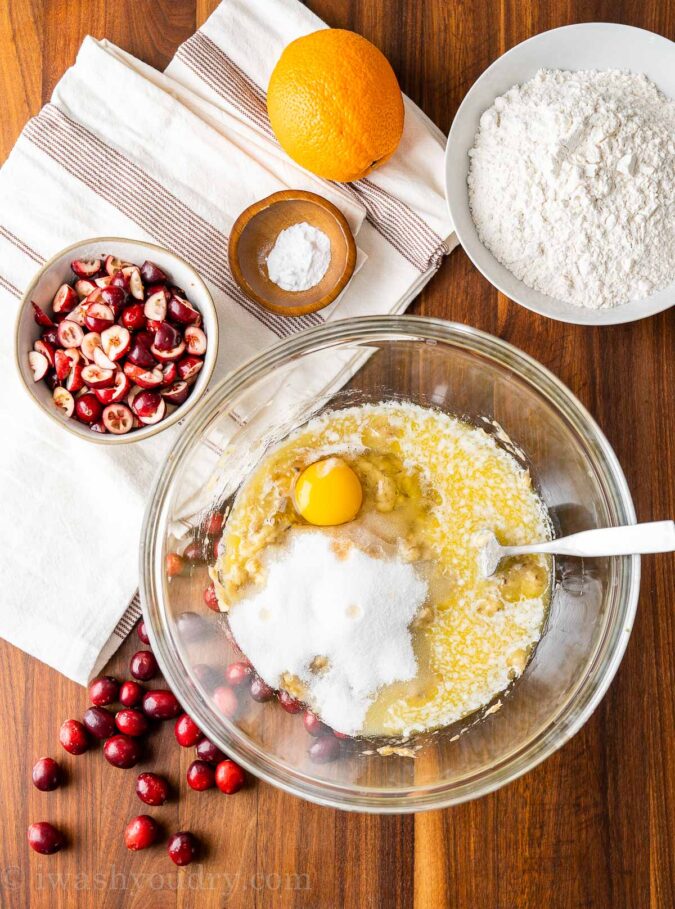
x: 343, y: 605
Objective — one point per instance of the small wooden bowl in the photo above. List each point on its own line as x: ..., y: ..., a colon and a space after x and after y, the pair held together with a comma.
x: 254, y: 233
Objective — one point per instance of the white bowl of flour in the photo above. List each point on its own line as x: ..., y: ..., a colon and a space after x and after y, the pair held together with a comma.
x: 561, y: 184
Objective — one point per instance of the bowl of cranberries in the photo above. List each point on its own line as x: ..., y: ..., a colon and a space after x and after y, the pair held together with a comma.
x: 116, y: 339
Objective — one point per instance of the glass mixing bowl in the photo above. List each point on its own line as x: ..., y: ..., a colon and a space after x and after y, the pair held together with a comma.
x: 437, y: 364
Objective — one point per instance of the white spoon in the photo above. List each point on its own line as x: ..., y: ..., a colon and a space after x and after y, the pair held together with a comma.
x: 635, y: 539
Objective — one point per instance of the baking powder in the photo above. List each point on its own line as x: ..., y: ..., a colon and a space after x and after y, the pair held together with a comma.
x: 299, y: 258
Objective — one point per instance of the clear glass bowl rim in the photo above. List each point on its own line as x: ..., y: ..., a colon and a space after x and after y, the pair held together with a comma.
x: 578, y: 706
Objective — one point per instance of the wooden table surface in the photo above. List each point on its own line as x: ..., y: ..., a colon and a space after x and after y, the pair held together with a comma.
x: 591, y: 827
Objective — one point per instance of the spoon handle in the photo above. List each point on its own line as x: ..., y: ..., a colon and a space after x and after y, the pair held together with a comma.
x: 633, y: 539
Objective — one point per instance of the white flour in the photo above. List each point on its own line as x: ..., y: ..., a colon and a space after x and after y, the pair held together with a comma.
x: 299, y: 258
x: 572, y: 185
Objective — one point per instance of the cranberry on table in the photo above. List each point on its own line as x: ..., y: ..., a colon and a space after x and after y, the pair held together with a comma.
x: 325, y: 749
x: 211, y: 598
x: 141, y: 631
x: 175, y: 564
x: 140, y: 832
x: 131, y: 694
x: 313, y: 724
x: 44, y: 838
x: 288, y: 702
x: 104, y: 690
x: 187, y: 732
x: 226, y: 700
x: 161, y: 704
x: 182, y: 848
x: 131, y: 722
x: 238, y: 674
x: 201, y: 776
x: 143, y: 665
x: 260, y: 691
x: 152, y: 788
x: 73, y: 737
x: 122, y: 751
x: 207, y: 751
x: 46, y: 774
x: 195, y: 552
x: 229, y: 777
x: 100, y: 722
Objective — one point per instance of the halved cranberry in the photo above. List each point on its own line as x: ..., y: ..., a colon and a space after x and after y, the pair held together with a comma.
x: 260, y: 691
x: 120, y: 279
x: 84, y: 287
x: 155, y: 417
x: 131, y: 722
x: 140, y: 832
x: 86, y: 268
x: 73, y: 737
x: 152, y: 274
x: 146, y: 403
x: 226, y: 700
x: 131, y: 694
x: 88, y: 408
x: 46, y: 774
x: 288, y: 702
x: 46, y: 350
x: 211, y: 598
x: 103, y: 281
x: 98, y: 317
x: 100, y: 722
x: 229, y: 777
x: 39, y: 364
x: 75, y: 382
x: 114, y: 297
x: 77, y: 315
x: 117, y: 392
x: 115, y: 341
x: 90, y: 342
x: 113, y: 265
x: 324, y: 750
x: 195, y: 340
x: 98, y: 426
x: 313, y: 724
x: 95, y: 377
x: 41, y: 316
x: 161, y: 704
x: 156, y: 305
x: 44, y: 838
x: 65, y: 299
x: 177, y: 393
x: 141, y: 356
x: 62, y: 364
x: 183, y: 848
x: 142, y: 632
x: 51, y: 336
x: 64, y: 401
x: 104, y: 690
x: 207, y: 751
x: 238, y: 674
x: 180, y: 310
x: 169, y: 373
x: 133, y: 317
x: 175, y: 565
x: 152, y: 788
x: 153, y: 325
x: 189, y: 367
x: 145, y: 378
x: 102, y: 359
x: 200, y: 776
x: 122, y: 751
x: 143, y: 665
x: 118, y: 419
x: 69, y: 334
x: 133, y: 273
x: 187, y: 732
x: 169, y: 355
x: 167, y: 337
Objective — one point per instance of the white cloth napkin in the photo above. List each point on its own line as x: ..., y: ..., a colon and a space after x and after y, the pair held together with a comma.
x: 173, y: 158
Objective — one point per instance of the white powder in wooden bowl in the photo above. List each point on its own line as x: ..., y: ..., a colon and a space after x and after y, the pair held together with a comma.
x: 299, y: 258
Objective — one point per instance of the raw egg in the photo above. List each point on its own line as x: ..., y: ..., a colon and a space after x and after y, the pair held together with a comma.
x: 328, y: 492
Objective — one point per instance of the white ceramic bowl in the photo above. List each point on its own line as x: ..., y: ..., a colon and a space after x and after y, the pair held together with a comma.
x: 57, y: 271
x: 593, y: 45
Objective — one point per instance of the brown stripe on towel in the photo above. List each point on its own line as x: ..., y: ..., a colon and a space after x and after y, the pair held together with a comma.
x: 150, y: 205
x: 131, y: 615
x: 9, y: 287
x: 23, y: 247
x: 409, y: 234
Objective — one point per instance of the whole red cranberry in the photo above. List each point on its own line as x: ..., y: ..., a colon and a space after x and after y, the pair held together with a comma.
x: 238, y: 674
x: 313, y: 724
x: 161, y: 704
x: 44, y: 838
x: 131, y: 722
x: 260, y: 691
x: 183, y: 848
x: 131, y: 694
x: 214, y: 523
x: 73, y: 736
x: 46, y: 774
x: 194, y: 552
x: 187, y: 732
x: 152, y: 788
x: 288, y: 702
x: 100, y: 722
x: 211, y: 598
x: 229, y: 777
x: 207, y: 751
x: 141, y: 832
x: 141, y: 631
x: 143, y: 665
x: 122, y: 751
x: 201, y: 776
x: 226, y: 700
x: 104, y: 690
x: 325, y: 749
x: 175, y: 564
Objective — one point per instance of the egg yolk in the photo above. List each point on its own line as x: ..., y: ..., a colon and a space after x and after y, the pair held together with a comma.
x: 328, y: 492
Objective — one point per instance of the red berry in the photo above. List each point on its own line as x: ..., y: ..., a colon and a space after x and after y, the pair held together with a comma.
x: 313, y: 724
x: 238, y: 674
x: 131, y: 694
x: 226, y: 700
x: 214, y: 524
x: 46, y: 774
x: 141, y: 631
x: 141, y: 832
x: 325, y: 749
x: 44, y: 838
x: 131, y: 722
x: 152, y: 788
x: 229, y: 777
x: 133, y: 317
x: 183, y: 848
x: 161, y: 704
x: 187, y: 732
x: 261, y: 691
x: 100, y: 722
x: 104, y: 690
x: 211, y: 598
x: 200, y: 776
x: 194, y: 552
x: 73, y: 736
x: 88, y: 408
x: 143, y: 665
x: 207, y: 751
x: 175, y: 564
x: 289, y: 703
x: 122, y: 751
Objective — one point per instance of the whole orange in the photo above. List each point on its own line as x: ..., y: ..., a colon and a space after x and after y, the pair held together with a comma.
x: 335, y: 105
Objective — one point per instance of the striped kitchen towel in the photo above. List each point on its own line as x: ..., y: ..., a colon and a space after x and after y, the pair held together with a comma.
x: 173, y: 158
